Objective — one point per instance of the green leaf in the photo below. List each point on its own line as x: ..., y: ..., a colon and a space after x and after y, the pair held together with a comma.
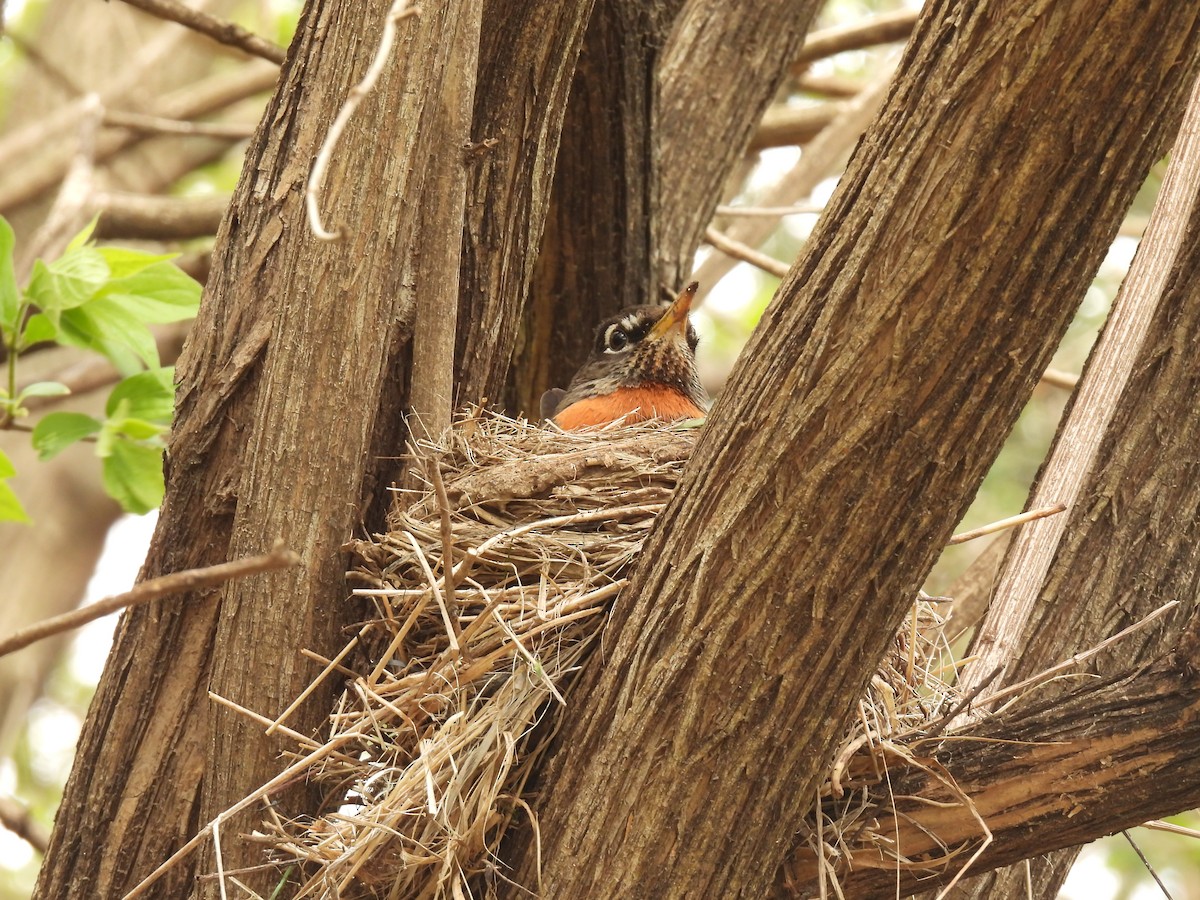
x: 123, y: 262
x: 160, y: 292
x: 147, y: 395
x: 137, y: 429
x: 104, y: 326
x: 10, y: 297
x: 70, y: 281
x: 133, y: 476
x: 10, y: 507
x: 85, y: 235
x: 58, y: 430
x: 44, y: 389
x: 38, y: 329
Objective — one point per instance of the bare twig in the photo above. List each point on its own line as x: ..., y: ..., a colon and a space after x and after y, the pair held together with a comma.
x: 146, y: 124
x: 882, y: 29
x: 1171, y: 828
x: 820, y: 160
x: 829, y: 85
x: 15, y: 817
x: 74, y: 202
x: 219, y: 30
x: 31, y: 170
x: 401, y: 9
x: 745, y: 253
x: 770, y: 212
x: 153, y: 589
x: 1145, y: 862
x: 1011, y: 522
x: 1060, y: 379
x: 1075, y: 660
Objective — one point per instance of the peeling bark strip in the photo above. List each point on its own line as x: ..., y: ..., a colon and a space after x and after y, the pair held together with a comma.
x: 1043, y: 777
x: 850, y: 438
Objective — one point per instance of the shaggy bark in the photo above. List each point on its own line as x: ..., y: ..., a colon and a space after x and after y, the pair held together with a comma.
x: 824, y: 487
x: 528, y: 54
x: 289, y: 415
x: 719, y: 72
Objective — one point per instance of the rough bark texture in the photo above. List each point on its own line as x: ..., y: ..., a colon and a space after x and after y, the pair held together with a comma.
x: 827, y: 481
x: 527, y: 59
x: 1060, y: 772
x: 290, y: 412
x: 600, y: 232
x: 721, y: 68
x: 1132, y: 542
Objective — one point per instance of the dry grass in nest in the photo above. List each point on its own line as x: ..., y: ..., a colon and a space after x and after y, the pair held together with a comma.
x: 490, y: 587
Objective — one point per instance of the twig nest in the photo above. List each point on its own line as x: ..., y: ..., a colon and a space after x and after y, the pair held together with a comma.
x: 490, y: 587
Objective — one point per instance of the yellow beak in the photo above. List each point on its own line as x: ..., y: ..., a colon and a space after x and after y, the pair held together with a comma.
x: 674, y: 320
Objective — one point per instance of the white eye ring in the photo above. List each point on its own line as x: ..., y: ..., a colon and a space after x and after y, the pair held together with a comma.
x: 615, y: 339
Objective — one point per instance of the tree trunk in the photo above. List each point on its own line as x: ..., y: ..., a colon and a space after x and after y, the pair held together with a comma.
x: 290, y: 406
x: 859, y: 422
x: 1130, y: 542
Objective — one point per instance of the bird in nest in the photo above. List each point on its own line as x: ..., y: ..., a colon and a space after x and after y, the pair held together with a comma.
x: 642, y: 366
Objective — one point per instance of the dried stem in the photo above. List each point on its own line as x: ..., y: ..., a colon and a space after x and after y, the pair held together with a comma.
x: 401, y: 9
x: 154, y: 589
x: 1011, y: 522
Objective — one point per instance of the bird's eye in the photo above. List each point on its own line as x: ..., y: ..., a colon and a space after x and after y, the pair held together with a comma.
x: 615, y: 339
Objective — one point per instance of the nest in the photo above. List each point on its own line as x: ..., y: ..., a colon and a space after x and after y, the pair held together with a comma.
x: 490, y: 587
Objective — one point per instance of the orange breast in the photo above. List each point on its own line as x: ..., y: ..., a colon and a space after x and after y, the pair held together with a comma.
x: 634, y: 404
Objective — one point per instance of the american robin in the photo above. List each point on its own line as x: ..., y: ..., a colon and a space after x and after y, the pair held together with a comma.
x: 642, y: 366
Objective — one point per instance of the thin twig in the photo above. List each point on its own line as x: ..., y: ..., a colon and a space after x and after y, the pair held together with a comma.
x: 770, y: 212
x: 401, y: 9
x: 1145, y: 862
x: 219, y: 30
x: 1060, y: 379
x: 1047, y: 674
x: 745, y: 253
x: 1011, y: 522
x: 153, y: 589
x: 147, y: 124
x: 1170, y: 828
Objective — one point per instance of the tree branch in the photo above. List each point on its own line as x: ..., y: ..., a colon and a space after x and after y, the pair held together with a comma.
x: 882, y: 29
x: 146, y: 591
x: 1097, y: 397
x: 161, y: 218
x: 16, y: 818
x: 219, y: 30
x: 733, y: 666
x: 1052, y: 774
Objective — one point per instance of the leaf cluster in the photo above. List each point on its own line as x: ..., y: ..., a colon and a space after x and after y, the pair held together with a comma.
x: 102, y: 300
